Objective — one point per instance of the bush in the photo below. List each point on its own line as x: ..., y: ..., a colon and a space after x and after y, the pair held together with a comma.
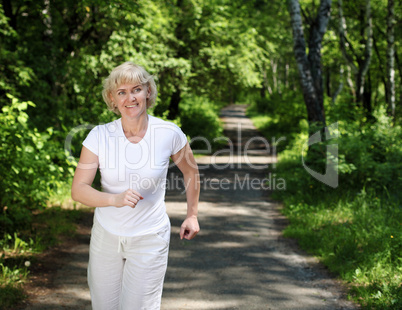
x: 29, y: 161
x: 199, y: 119
x: 375, y: 150
x: 369, y: 157
x: 19, y: 250
x: 279, y: 116
x: 355, y: 228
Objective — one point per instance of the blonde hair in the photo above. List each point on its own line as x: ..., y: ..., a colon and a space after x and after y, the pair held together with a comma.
x: 128, y: 72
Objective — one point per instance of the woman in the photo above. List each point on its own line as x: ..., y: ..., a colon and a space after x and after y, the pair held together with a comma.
x: 131, y: 232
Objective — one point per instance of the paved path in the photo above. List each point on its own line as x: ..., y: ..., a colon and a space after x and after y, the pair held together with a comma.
x: 239, y: 260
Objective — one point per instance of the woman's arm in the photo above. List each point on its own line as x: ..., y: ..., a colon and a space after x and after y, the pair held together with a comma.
x: 184, y: 159
x: 82, y: 190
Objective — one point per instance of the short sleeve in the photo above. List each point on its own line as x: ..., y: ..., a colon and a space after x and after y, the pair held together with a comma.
x: 91, y: 142
x: 179, y: 140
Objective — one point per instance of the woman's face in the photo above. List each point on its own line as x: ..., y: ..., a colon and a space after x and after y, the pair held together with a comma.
x: 131, y: 99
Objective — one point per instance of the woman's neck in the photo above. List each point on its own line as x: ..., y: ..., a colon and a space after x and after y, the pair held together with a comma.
x: 135, y: 127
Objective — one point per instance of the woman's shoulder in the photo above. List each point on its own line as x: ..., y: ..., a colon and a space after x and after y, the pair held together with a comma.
x: 107, y: 128
x: 156, y: 121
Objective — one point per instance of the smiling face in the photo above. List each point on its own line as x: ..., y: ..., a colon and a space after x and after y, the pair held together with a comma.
x: 130, y: 99
x: 124, y: 78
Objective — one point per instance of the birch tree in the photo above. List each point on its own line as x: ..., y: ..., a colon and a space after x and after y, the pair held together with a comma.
x: 391, y: 58
x: 309, y: 65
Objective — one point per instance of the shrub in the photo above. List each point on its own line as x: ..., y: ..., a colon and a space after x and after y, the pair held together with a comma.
x: 199, y: 119
x: 355, y: 228
x: 29, y: 161
x: 279, y: 116
x: 375, y: 151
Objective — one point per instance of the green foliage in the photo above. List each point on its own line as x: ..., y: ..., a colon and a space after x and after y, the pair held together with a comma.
x: 56, y: 55
x: 16, y: 244
x: 355, y: 228
x: 356, y: 236
x: 273, y: 117
x: 13, y: 72
x: 374, y: 150
x: 18, y: 251
x: 32, y: 166
x: 199, y: 119
x: 11, y: 291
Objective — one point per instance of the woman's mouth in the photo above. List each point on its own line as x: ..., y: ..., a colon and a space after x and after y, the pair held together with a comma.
x: 132, y: 105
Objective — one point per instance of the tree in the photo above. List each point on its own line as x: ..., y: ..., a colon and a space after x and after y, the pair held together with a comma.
x: 220, y: 43
x: 390, y: 86
x: 309, y: 66
x: 353, y: 56
x: 270, y: 18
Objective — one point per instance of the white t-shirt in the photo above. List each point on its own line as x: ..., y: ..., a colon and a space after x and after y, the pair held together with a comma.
x: 142, y: 166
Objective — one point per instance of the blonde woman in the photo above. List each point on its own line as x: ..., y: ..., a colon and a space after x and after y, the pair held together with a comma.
x: 131, y: 231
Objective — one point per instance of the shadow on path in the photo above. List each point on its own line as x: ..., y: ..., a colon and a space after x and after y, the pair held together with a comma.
x: 239, y: 260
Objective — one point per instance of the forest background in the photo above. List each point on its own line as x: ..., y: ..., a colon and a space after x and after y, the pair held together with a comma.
x: 204, y: 55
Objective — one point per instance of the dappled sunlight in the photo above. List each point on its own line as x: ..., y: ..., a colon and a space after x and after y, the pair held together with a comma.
x: 292, y: 110
x: 239, y: 260
x: 184, y: 304
x: 222, y: 161
x: 228, y: 244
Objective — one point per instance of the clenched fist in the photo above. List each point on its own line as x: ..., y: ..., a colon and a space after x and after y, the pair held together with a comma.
x: 128, y: 198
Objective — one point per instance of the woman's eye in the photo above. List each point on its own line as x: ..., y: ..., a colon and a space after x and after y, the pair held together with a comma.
x: 120, y: 93
x: 137, y: 90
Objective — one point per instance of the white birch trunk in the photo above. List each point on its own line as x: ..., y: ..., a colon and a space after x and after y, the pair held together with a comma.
x: 309, y: 66
x: 391, y: 57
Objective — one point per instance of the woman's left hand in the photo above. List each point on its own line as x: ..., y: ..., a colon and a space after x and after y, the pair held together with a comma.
x: 190, y: 228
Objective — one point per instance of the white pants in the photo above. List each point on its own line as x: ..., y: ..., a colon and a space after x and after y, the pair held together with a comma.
x: 127, y: 273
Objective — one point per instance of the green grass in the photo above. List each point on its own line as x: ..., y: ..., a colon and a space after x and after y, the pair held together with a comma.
x: 11, y: 281
x: 358, y: 237
x: 354, y: 230
x: 19, y: 250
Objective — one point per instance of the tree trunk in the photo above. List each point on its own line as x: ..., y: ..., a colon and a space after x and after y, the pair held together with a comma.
x: 340, y: 86
x: 287, y: 75
x: 262, y: 92
x: 365, y: 63
x: 274, y: 66
x: 363, y: 60
x: 344, y: 45
x: 349, y: 80
x: 174, y: 104
x: 328, y: 82
x: 367, y: 91
x: 310, y: 66
x: 266, y: 86
x: 390, y: 86
x: 382, y: 71
x: 176, y: 95
x: 8, y: 12
x: 398, y: 65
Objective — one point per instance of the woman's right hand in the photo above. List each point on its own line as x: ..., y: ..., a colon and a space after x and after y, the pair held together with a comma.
x: 128, y: 198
